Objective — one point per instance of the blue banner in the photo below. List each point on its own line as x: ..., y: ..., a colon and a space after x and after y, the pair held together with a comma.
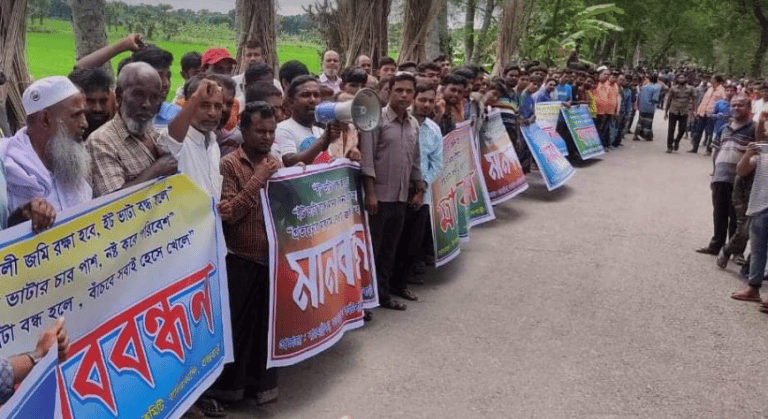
x: 554, y: 167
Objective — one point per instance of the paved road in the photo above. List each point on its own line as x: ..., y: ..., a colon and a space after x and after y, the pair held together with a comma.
x: 585, y: 302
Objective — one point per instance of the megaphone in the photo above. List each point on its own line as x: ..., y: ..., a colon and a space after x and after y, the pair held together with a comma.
x: 364, y: 111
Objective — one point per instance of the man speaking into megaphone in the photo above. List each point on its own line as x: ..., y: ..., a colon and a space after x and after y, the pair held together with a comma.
x: 298, y: 139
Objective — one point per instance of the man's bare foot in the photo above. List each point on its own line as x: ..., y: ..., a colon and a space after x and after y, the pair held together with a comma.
x: 747, y: 294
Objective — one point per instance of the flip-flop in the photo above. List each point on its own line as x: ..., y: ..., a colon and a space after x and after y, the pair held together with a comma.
x: 407, y: 294
x: 740, y: 298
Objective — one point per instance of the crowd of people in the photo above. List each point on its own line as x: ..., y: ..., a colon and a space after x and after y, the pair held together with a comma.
x: 88, y: 135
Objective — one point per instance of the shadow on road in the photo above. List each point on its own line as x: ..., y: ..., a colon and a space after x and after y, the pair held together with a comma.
x: 505, y: 213
x: 537, y: 190
x: 578, y: 163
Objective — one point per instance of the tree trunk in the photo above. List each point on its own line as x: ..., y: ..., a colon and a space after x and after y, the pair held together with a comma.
x: 432, y: 45
x: 757, y: 61
x: 481, y: 37
x: 256, y: 20
x: 413, y: 39
x: 442, y: 28
x: 509, y: 31
x: 469, y: 29
x: 369, y: 22
x: 89, y: 27
x: 13, y: 42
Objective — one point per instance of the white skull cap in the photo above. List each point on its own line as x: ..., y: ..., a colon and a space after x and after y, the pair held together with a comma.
x: 47, y: 92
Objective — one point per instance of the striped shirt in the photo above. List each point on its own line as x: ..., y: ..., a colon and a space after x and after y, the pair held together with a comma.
x: 758, y: 198
x: 246, y: 233
x: 729, y: 149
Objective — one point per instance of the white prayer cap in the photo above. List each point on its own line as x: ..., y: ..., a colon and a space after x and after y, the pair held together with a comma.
x: 601, y: 68
x: 47, y: 92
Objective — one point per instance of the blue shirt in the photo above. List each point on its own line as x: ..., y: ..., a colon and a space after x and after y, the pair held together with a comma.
x: 545, y: 96
x: 628, y: 98
x: 722, y: 113
x: 166, y: 114
x: 431, y: 150
x: 649, y: 97
x: 564, y: 93
x: 527, y: 105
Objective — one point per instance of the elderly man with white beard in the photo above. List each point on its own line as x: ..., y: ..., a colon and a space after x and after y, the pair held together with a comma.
x: 331, y: 66
x: 124, y: 150
x: 47, y: 166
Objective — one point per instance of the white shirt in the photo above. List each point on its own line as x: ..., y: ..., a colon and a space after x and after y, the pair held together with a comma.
x: 758, y: 197
x: 758, y: 108
x: 240, y: 92
x: 198, y: 158
x: 292, y: 137
x: 27, y: 177
x: 335, y: 85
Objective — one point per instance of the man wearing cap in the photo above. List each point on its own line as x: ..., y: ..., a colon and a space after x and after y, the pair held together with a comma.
x: 124, y: 150
x: 330, y: 76
x: 47, y: 158
x: 219, y: 61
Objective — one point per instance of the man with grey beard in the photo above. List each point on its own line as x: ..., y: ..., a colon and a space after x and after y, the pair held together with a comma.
x: 47, y: 159
x: 330, y: 76
x: 124, y: 150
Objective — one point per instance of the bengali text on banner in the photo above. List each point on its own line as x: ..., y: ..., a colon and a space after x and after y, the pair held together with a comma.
x: 458, y: 191
x: 139, y: 276
x: 583, y: 131
x: 554, y: 167
x: 547, y: 116
x: 503, y: 173
x: 321, y: 260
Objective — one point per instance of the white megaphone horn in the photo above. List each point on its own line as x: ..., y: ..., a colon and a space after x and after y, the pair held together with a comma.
x: 364, y: 111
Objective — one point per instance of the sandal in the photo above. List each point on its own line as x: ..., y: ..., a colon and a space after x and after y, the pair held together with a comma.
x: 367, y: 315
x: 740, y: 260
x: 722, y: 260
x: 741, y: 296
x: 211, y: 407
x: 407, y: 294
x: 394, y: 305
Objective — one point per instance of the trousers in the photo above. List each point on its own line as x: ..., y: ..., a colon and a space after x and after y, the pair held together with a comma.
x: 673, y: 142
x: 386, y: 228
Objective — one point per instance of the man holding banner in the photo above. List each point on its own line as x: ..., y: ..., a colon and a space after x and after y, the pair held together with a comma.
x: 391, y: 166
x: 245, y: 173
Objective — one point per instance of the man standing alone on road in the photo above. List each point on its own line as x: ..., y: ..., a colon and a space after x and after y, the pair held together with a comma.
x: 679, y: 106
